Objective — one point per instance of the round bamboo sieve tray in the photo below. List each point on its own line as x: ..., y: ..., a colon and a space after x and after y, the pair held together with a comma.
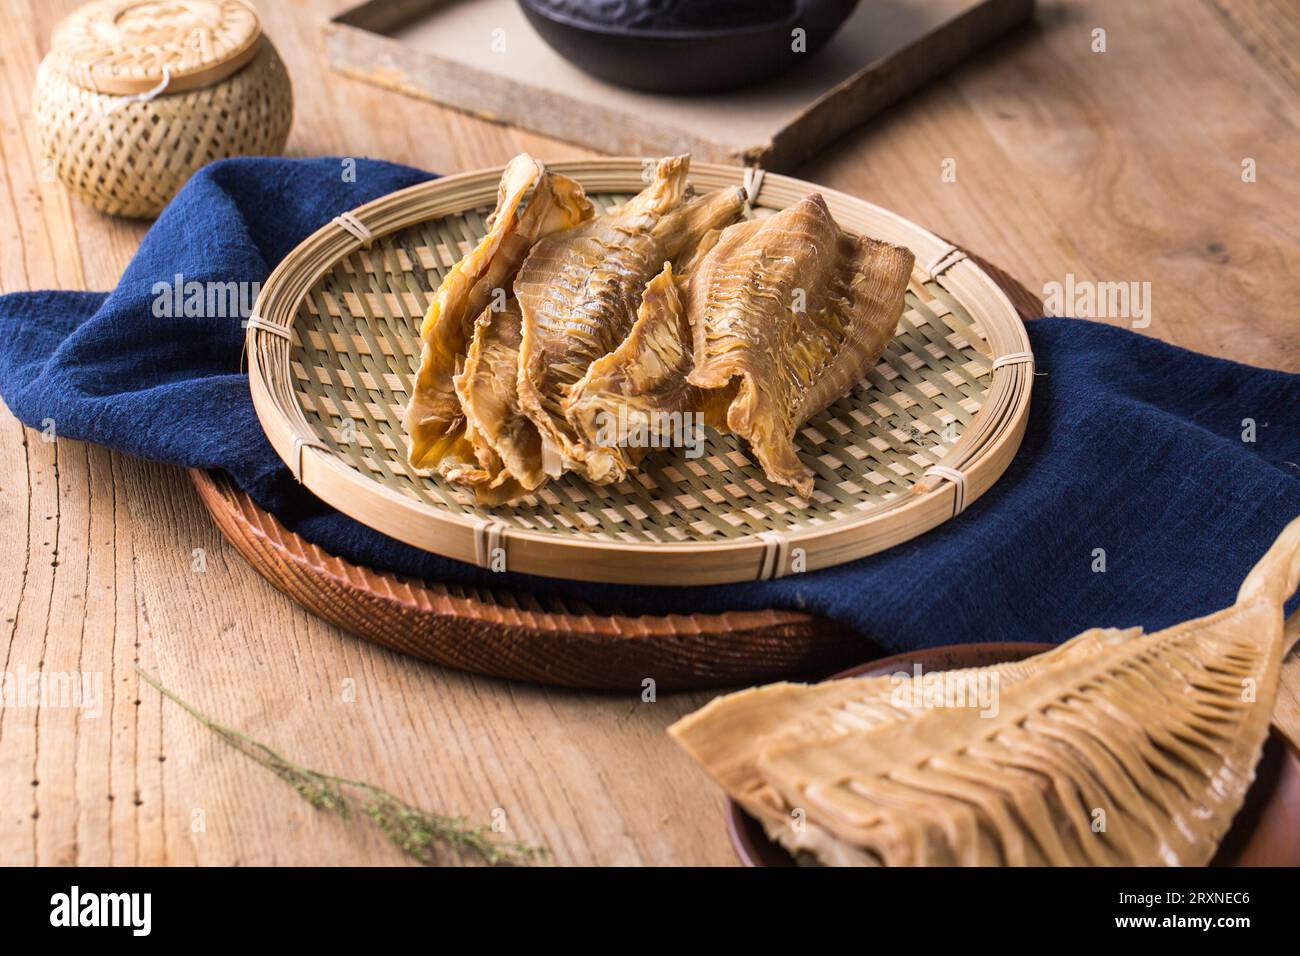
x: 136, y: 95
x: 522, y: 637
x: 335, y: 345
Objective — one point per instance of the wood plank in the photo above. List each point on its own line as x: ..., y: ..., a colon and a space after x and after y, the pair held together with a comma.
x: 39, y: 218
x: 1269, y: 31
x: 1112, y: 168
x: 485, y: 58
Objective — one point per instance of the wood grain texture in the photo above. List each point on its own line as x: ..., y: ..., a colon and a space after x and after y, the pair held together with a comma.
x: 1117, y: 166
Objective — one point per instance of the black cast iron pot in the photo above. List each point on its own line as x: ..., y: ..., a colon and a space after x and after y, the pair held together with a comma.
x: 708, y: 58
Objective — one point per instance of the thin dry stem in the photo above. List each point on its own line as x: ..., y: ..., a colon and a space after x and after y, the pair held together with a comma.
x: 419, y: 833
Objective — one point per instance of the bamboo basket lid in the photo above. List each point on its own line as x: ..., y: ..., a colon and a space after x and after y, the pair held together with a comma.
x: 334, y: 344
x: 130, y: 47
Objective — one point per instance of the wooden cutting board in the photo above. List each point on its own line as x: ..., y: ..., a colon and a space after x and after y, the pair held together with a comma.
x: 482, y: 56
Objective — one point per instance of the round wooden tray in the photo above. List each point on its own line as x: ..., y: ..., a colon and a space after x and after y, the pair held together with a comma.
x: 1262, y: 834
x: 520, y: 637
x: 336, y: 343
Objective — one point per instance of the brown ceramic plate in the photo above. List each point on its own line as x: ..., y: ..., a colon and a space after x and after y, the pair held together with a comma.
x: 1265, y: 832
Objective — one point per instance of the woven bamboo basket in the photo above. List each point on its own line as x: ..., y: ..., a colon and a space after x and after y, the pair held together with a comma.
x: 334, y: 346
x: 136, y: 95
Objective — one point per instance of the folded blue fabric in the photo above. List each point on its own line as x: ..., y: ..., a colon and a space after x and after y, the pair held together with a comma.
x: 1134, y: 447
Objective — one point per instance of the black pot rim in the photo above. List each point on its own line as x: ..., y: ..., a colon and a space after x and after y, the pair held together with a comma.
x: 676, y: 35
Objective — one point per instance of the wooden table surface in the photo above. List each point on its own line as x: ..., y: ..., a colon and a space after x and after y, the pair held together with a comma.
x: 1117, y: 166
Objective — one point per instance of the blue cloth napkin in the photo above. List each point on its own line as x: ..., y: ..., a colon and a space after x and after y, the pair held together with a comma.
x: 1133, y: 447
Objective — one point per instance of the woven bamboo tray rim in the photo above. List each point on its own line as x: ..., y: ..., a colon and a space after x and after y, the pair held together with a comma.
x: 537, y: 612
x: 988, y: 324
x: 523, y: 636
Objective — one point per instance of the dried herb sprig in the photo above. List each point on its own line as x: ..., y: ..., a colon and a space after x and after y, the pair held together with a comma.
x: 418, y: 833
